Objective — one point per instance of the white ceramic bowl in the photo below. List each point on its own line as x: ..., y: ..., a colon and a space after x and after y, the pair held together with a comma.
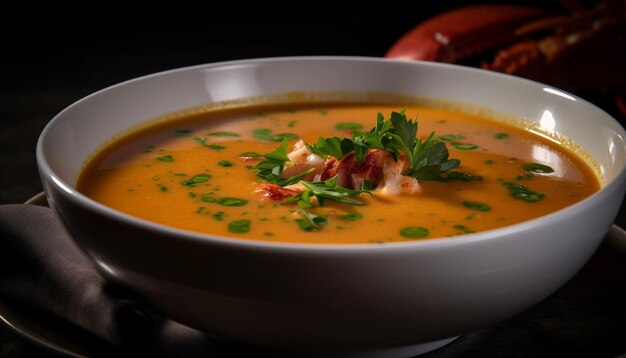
x: 396, y: 299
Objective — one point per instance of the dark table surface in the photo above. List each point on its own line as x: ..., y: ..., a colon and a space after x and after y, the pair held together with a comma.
x: 51, y: 58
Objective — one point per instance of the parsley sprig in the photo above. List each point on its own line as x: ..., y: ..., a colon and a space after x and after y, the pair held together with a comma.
x: 427, y: 158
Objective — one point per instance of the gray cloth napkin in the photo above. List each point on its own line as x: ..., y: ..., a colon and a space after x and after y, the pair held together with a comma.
x: 41, y: 268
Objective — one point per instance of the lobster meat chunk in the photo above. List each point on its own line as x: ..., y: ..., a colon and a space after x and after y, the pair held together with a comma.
x: 301, y: 160
x: 275, y: 192
x: 378, y: 168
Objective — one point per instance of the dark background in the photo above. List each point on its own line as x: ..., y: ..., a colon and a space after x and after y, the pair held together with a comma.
x: 52, y: 57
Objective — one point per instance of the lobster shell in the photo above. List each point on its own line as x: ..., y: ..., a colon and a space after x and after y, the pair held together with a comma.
x: 581, y: 52
x: 454, y: 35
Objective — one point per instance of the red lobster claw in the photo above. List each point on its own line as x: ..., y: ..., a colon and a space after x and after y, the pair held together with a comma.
x: 584, y: 51
x: 456, y: 34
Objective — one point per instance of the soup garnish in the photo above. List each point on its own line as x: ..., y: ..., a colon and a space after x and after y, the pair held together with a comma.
x: 389, y: 159
x: 311, y: 175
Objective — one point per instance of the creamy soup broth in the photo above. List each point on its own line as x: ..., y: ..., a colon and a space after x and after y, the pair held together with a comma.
x: 191, y: 173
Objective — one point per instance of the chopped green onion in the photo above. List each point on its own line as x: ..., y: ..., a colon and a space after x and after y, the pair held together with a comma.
x: 165, y: 158
x: 232, y: 202
x: 196, y: 179
x: 352, y: 216
x: 477, y: 206
x: 250, y: 154
x: 239, y: 226
x: 266, y: 134
x: 538, y: 168
x: 463, y: 176
x: 519, y: 191
x: 464, y: 146
x: 223, y: 134
x: 414, y: 232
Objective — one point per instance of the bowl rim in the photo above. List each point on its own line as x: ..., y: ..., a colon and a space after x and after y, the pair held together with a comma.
x: 434, y: 243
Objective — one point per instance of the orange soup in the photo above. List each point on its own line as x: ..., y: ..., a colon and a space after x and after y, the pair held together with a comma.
x: 201, y: 173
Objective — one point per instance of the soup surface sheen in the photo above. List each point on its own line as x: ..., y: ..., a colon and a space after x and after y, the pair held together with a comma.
x: 191, y: 173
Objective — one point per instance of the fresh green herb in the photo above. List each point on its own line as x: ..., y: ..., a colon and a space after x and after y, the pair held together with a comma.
x: 148, y: 149
x: 225, y: 163
x: 266, y: 134
x: 348, y: 126
x: 427, y: 159
x: 196, y: 179
x: 219, y: 216
x: 464, y: 146
x: 452, y: 137
x: 477, y: 206
x: 414, y: 232
x: 232, y: 202
x: 334, y: 147
x: 538, y: 168
x: 501, y: 136
x: 463, y: 176
x: 192, y: 194
x: 368, y: 185
x: 519, y: 191
x: 239, y: 226
x: 203, y: 142
x: 311, y: 222
x: 215, y: 146
x: 271, y: 169
x: 250, y: 154
x: 183, y: 132
x: 162, y: 187
x: 165, y: 158
x: 292, y: 123
x: 200, y: 210
x: 464, y: 229
x: 208, y: 199
x: 223, y: 134
x: 324, y: 190
x: 352, y: 216
x: 532, y: 168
